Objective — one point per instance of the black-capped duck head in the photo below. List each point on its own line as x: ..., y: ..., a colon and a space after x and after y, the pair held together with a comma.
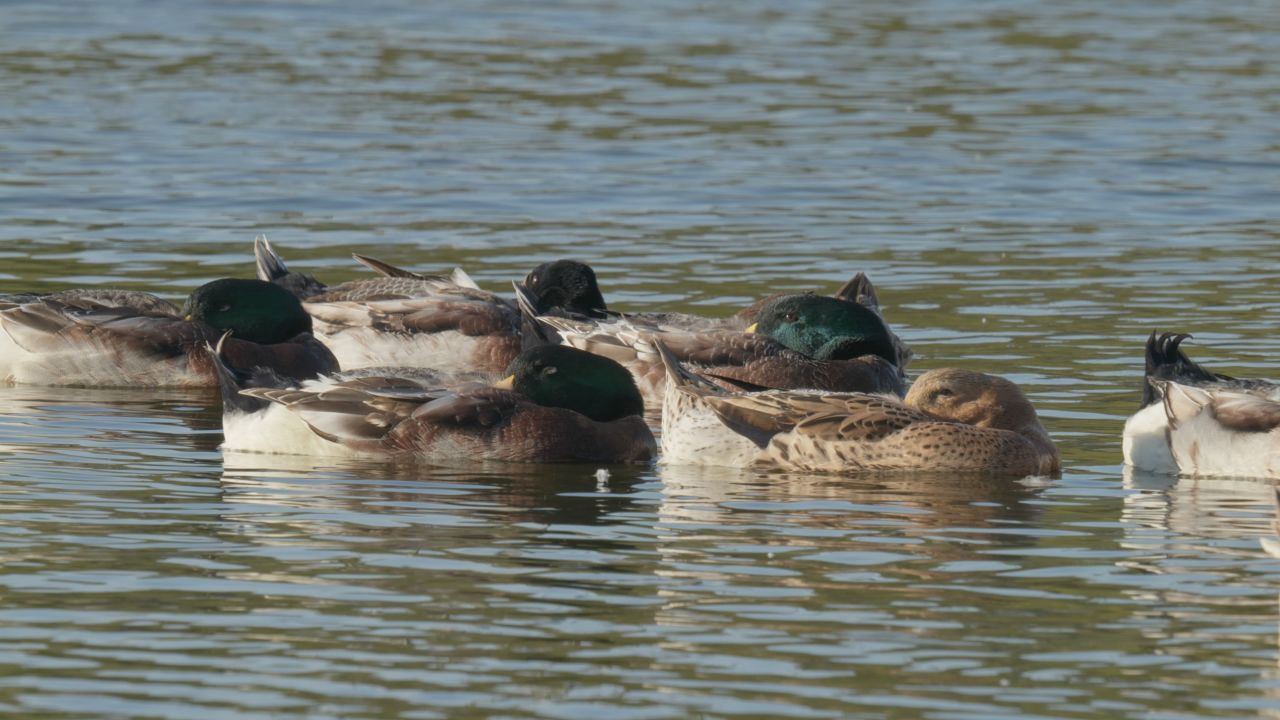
x: 566, y: 284
x: 252, y: 310
x: 565, y: 377
x: 825, y: 328
x: 973, y: 398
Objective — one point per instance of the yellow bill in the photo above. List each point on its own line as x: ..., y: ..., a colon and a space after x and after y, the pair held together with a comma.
x: 506, y: 383
x: 751, y: 329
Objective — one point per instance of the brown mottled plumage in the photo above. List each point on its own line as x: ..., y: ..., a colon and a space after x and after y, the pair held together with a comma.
x: 952, y: 420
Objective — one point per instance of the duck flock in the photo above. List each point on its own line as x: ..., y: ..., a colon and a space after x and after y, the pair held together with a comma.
x: 424, y: 367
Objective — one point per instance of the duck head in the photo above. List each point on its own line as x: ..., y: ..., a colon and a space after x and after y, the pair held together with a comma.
x: 252, y: 310
x: 973, y: 398
x: 825, y: 328
x: 566, y: 284
x: 565, y: 377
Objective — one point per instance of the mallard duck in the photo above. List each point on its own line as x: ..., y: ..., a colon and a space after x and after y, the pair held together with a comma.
x: 798, y: 341
x: 543, y: 294
x: 115, y: 337
x: 405, y: 318
x: 557, y: 404
x: 951, y: 420
x: 1198, y: 422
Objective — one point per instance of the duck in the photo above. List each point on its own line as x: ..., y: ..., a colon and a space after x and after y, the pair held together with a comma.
x: 952, y: 419
x: 569, y: 289
x: 540, y: 296
x: 403, y: 318
x: 555, y: 404
x: 113, y: 338
x: 1197, y: 422
x: 798, y: 341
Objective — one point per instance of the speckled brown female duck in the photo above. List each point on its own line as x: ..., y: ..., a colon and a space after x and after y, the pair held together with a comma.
x: 951, y: 420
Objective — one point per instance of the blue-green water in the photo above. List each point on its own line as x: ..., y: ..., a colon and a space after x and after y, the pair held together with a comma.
x: 1033, y: 188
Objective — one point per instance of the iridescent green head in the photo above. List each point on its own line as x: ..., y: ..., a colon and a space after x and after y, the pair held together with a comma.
x: 825, y: 328
x: 565, y: 377
x: 252, y: 310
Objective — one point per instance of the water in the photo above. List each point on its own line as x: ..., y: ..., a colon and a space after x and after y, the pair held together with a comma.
x: 1033, y: 188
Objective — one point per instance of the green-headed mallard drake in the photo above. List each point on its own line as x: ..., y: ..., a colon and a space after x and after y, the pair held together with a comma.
x: 1197, y: 422
x: 557, y: 404
x: 407, y: 319
x: 125, y: 338
x: 549, y: 288
x: 951, y: 420
x: 797, y: 341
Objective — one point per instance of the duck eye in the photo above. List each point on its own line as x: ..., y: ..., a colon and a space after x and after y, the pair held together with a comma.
x: 943, y: 392
x: 225, y: 308
x: 790, y: 317
x: 549, y: 370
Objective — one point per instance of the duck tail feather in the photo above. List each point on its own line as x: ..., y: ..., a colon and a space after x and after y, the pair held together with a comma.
x: 741, y: 385
x: 459, y: 277
x: 677, y: 373
x: 270, y: 265
x: 386, y: 269
x: 271, y: 268
x: 533, y: 333
x: 1165, y: 360
x: 858, y: 289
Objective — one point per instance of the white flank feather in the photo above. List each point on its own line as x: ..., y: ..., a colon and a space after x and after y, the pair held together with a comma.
x: 449, y: 351
x: 1202, y: 446
x: 276, y: 430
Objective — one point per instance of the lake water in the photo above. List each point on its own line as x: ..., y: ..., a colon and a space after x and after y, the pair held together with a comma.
x: 1034, y: 188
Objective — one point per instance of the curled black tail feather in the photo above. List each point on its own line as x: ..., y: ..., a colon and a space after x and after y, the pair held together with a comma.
x: 1166, y: 361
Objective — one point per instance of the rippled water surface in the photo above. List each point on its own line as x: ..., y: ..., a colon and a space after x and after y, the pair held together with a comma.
x: 1034, y: 188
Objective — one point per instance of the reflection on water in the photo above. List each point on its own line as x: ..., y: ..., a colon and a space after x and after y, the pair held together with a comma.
x: 1033, y: 190
x: 141, y: 568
